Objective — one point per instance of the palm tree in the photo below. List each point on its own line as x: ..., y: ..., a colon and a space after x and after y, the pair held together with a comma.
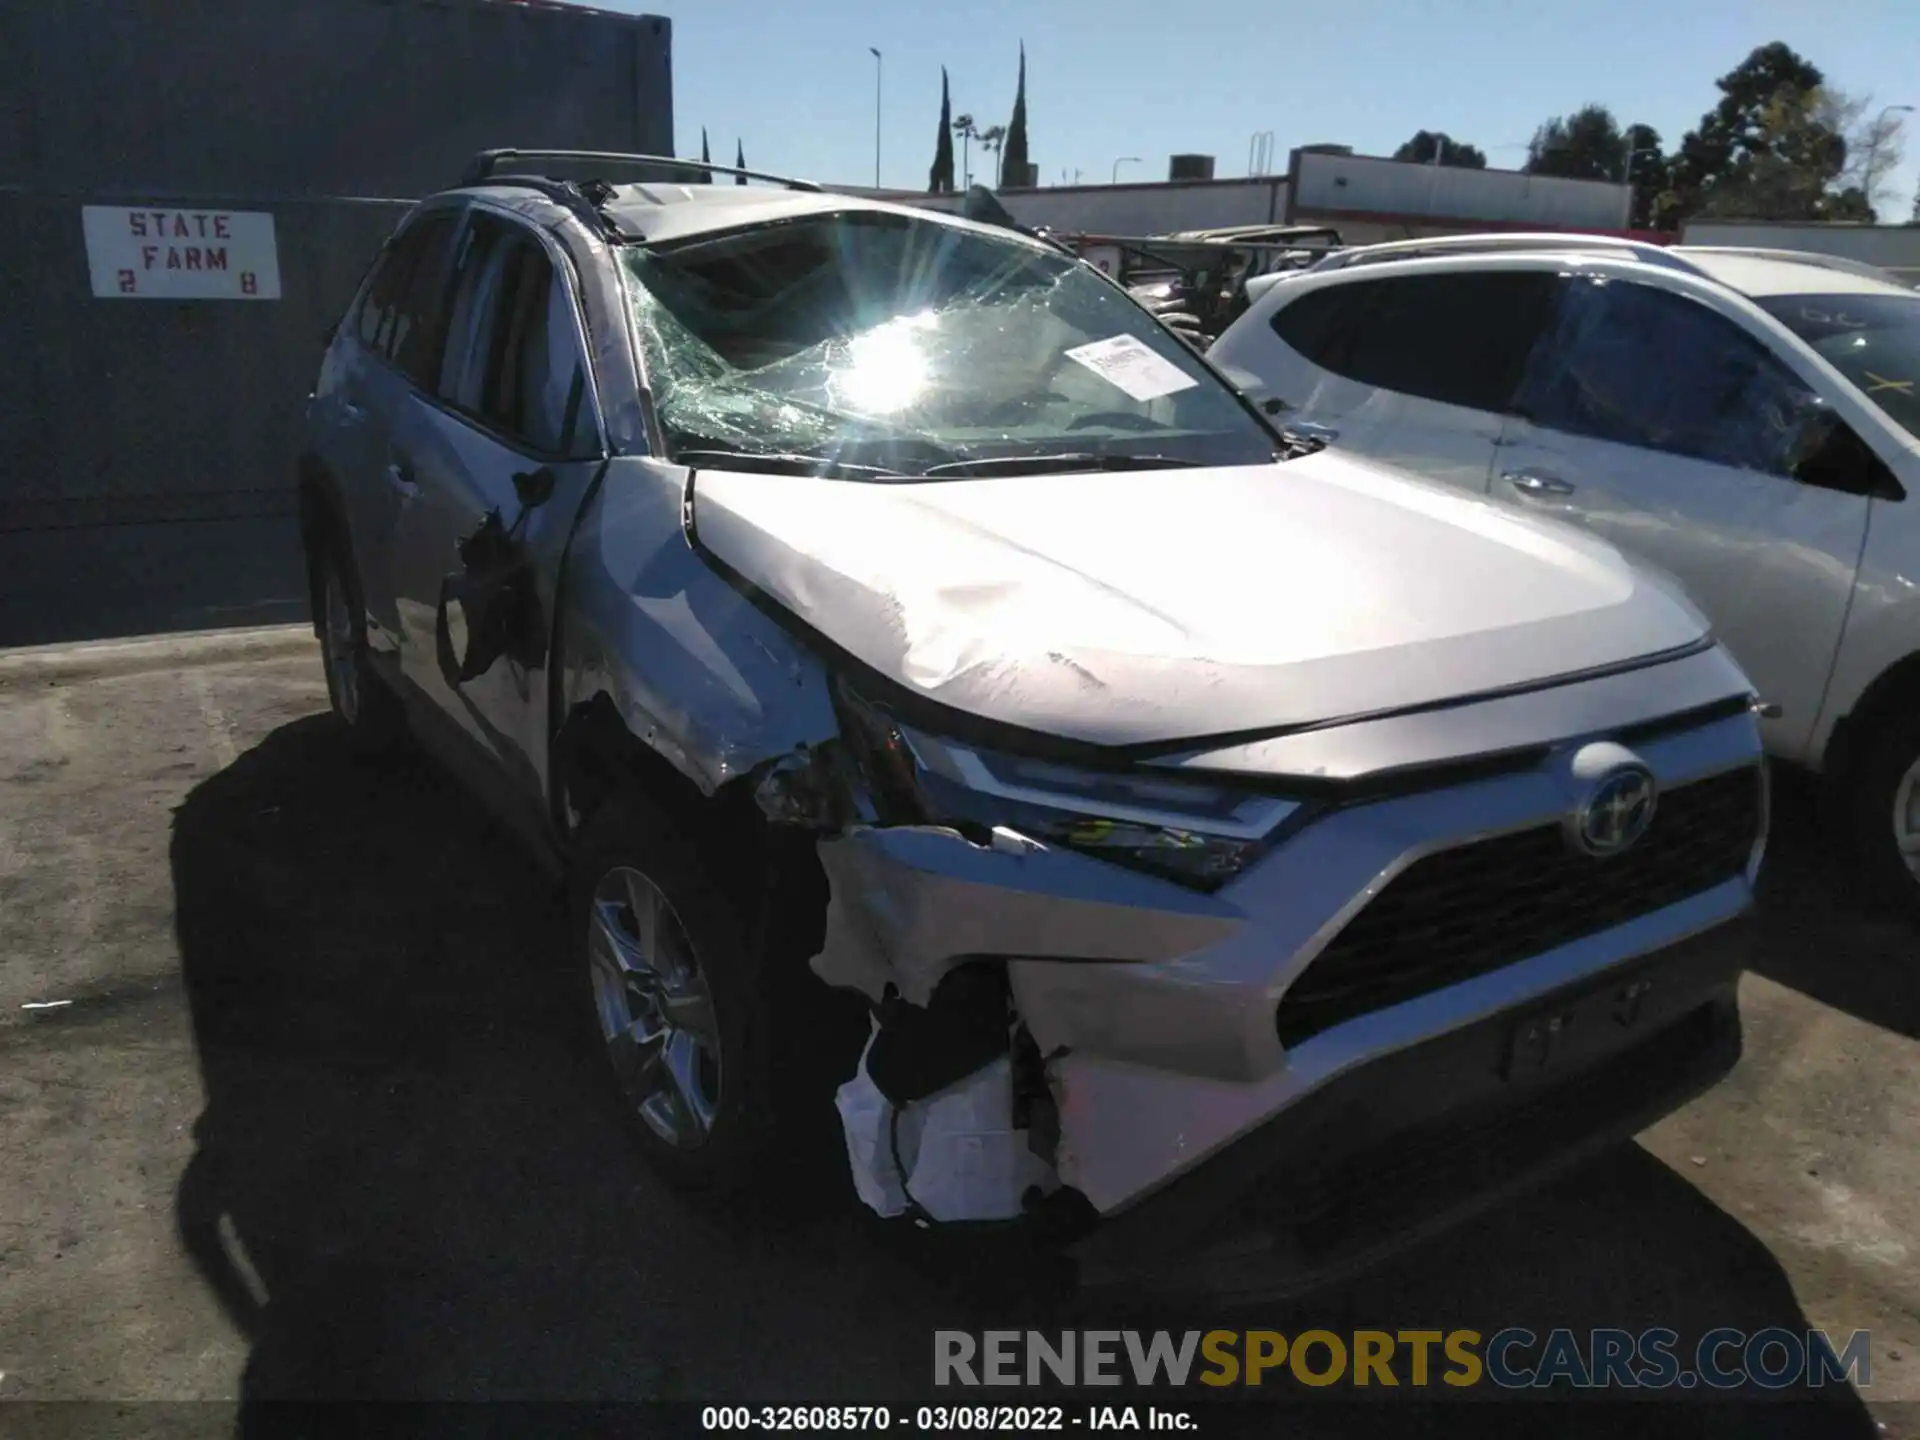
x: 963, y: 127
x: 992, y: 139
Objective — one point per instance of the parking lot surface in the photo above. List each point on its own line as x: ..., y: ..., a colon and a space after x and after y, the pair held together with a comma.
x: 290, y: 1107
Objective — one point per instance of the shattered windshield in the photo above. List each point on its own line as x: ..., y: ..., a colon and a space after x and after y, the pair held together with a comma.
x: 895, y: 346
x: 1873, y: 340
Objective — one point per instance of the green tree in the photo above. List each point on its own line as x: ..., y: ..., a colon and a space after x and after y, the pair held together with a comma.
x: 1715, y: 167
x: 1421, y: 149
x: 706, y: 158
x: 1586, y: 145
x: 1013, y: 159
x: 739, y: 161
x: 1790, y: 167
x: 940, y: 177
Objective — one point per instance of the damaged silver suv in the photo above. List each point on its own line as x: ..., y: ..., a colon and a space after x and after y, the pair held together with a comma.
x: 1226, y: 836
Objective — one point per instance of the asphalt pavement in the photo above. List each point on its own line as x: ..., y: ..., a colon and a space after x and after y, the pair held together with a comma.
x: 292, y: 1106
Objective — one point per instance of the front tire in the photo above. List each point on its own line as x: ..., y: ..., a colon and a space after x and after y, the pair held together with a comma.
x: 672, y: 987
x: 1886, y: 813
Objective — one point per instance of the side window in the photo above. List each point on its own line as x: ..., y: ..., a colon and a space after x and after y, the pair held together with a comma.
x: 477, y: 270
x: 389, y: 277
x: 512, y: 357
x: 1316, y: 325
x: 420, y: 313
x: 1638, y: 365
x: 1461, y: 339
x: 401, y: 282
x: 553, y: 379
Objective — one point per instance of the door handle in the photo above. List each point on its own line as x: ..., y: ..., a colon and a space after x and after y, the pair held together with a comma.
x: 400, y: 477
x: 1537, y: 482
x: 1313, y: 430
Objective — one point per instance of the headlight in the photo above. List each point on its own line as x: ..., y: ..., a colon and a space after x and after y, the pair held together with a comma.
x: 1198, y: 833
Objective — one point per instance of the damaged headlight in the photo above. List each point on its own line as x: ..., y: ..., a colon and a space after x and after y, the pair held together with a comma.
x: 1198, y: 833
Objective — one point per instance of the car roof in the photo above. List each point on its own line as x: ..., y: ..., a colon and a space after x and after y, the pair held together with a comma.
x: 1750, y: 270
x: 661, y: 213
x: 1759, y: 273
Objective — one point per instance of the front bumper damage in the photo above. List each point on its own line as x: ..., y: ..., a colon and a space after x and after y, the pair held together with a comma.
x: 1148, y: 1068
x: 1415, y: 1142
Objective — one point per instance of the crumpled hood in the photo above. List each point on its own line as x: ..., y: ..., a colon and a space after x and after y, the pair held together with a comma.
x: 1132, y: 607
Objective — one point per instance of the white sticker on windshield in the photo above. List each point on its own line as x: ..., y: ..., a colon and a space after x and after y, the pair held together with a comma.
x: 1128, y: 364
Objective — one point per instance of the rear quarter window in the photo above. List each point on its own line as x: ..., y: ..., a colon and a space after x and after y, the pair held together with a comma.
x: 1457, y: 337
x: 1314, y: 325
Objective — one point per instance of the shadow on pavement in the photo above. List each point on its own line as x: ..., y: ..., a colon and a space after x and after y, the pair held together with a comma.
x: 408, y: 1186
x: 1816, y: 934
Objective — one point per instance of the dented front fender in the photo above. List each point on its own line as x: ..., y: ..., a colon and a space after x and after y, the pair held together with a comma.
x: 696, y: 672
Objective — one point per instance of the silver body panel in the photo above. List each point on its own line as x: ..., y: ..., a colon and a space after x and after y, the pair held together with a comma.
x: 1323, y: 619
x: 1123, y: 609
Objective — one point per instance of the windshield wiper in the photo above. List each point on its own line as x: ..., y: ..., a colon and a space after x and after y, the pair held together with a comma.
x: 1069, y: 460
x: 785, y: 462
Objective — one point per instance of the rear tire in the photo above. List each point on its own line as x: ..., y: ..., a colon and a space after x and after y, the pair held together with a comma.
x: 1885, y: 806
x: 374, y: 718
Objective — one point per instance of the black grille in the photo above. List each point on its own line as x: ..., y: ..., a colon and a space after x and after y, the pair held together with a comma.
x: 1460, y: 913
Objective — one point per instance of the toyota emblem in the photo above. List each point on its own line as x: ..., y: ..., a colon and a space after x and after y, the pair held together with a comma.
x: 1617, y: 812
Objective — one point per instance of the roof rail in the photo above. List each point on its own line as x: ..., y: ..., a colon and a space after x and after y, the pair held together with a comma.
x: 1804, y: 257
x: 1493, y: 243
x: 484, y: 166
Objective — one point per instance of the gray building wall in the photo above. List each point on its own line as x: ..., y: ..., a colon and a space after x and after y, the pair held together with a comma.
x: 1365, y: 187
x: 147, y: 447
x: 1150, y: 208
x: 1894, y: 248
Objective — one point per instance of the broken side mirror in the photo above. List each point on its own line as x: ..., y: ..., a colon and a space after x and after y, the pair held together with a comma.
x: 535, y: 487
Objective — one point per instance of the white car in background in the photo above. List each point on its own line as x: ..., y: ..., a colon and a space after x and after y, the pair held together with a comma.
x: 1745, y: 419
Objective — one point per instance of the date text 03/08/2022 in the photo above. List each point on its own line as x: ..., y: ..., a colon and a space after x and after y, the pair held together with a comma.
x: 944, y: 1419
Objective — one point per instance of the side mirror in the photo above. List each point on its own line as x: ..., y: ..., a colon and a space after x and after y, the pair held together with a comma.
x: 534, y: 487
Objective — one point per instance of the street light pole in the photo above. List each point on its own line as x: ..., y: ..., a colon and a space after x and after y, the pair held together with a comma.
x: 878, y: 64
x: 1873, y: 148
x: 1114, y: 178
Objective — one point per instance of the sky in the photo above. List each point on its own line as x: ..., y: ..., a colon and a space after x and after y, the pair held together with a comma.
x: 1150, y: 78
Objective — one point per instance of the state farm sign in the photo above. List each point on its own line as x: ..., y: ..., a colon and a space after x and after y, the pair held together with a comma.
x: 163, y: 253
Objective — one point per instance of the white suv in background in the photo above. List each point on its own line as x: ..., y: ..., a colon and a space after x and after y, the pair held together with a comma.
x: 1746, y: 419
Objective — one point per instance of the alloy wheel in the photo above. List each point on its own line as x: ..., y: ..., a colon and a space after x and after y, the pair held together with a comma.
x: 1906, y: 818
x: 340, y: 647
x: 655, y: 1008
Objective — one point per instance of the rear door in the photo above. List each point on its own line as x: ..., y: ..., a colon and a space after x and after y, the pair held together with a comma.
x: 384, y: 333
x: 1662, y: 425
x: 512, y: 397
x: 1414, y: 369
